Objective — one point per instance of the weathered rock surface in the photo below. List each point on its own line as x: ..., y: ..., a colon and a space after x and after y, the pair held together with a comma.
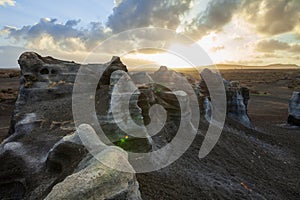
x: 237, y: 99
x: 124, y: 115
x: 44, y: 157
x: 166, y: 88
x: 294, y: 109
x: 115, y: 65
x: 91, y: 179
x: 39, y: 154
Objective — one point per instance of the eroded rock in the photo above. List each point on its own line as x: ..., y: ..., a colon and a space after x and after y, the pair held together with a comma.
x: 237, y: 98
x: 91, y: 179
x: 294, y: 109
x: 40, y: 151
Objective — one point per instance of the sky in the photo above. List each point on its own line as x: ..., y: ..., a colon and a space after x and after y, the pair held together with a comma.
x: 246, y: 32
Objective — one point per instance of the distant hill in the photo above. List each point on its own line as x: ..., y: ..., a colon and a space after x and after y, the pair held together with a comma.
x: 271, y: 66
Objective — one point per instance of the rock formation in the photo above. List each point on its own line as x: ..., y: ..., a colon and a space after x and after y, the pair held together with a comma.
x: 294, y: 109
x: 91, y: 179
x: 42, y: 156
x: 124, y: 115
x: 237, y: 99
x: 115, y: 65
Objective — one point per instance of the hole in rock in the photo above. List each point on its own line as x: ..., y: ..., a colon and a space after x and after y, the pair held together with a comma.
x: 44, y: 71
x: 54, y: 71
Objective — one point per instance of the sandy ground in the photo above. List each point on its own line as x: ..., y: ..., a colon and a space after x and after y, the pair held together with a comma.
x: 245, y: 164
x: 268, y: 106
x: 9, y: 86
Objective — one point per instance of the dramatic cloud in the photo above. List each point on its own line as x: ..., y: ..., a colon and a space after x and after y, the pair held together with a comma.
x: 7, y: 3
x: 217, y: 14
x: 272, y: 17
x: 247, y: 28
x: 129, y: 14
x: 267, y: 17
x: 275, y: 45
x: 48, y: 33
x: 46, y: 26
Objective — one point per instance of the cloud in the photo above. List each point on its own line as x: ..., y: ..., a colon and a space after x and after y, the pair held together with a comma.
x: 48, y: 33
x: 267, y: 17
x: 259, y: 18
x: 7, y: 3
x: 217, y: 48
x: 129, y: 14
x: 269, y: 55
x: 271, y: 46
x: 46, y: 26
x: 172, y: 14
x: 275, y: 45
x: 217, y: 14
x: 296, y: 57
x: 272, y: 17
x: 295, y: 48
x: 237, y: 37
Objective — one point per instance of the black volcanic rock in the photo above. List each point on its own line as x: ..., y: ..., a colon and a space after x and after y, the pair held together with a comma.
x: 294, y: 109
x: 237, y: 98
x: 44, y: 157
x: 42, y: 149
x: 114, y: 65
x: 237, y: 101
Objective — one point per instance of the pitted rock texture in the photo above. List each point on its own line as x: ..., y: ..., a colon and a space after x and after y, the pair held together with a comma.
x: 91, y: 179
x: 39, y: 154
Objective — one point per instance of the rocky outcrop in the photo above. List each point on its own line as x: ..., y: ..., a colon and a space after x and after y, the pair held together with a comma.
x: 124, y: 115
x: 91, y: 179
x: 41, y: 155
x: 115, y: 65
x: 168, y: 89
x: 294, y: 109
x: 237, y: 99
x: 44, y: 156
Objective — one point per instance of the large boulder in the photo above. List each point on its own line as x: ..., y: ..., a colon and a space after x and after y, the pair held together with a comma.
x: 294, y: 109
x: 92, y: 179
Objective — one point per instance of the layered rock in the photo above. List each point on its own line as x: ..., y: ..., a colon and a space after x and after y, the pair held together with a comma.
x: 237, y: 98
x: 124, y: 116
x: 39, y: 154
x: 168, y: 89
x: 44, y: 157
x: 237, y: 102
x: 115, y: 65
x: 294, y: 109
